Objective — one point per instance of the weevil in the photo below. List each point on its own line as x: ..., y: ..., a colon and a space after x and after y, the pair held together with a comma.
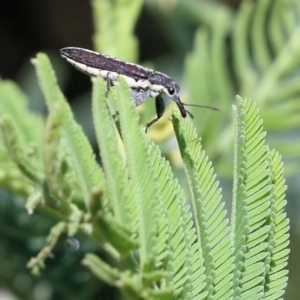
x: 143, y: 82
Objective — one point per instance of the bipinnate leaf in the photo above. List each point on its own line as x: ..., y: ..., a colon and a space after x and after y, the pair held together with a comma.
x: 80, y: 151
x: 29, y: 126
x: 36, y: 264
x: 257, y: 196
x: 24, y: 136
x: 266, y: 65
x: 276, y: 275
x: 116, y: 175
x: 176, y: 233
x: 139, y: 167
x: 102, y: 270
x: 252, y: 51
x: 27, y: 166
x: 212, y: 228
x: 114, y: 33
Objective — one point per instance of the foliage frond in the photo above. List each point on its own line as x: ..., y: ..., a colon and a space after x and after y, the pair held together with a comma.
x: 29, y: 128
x: 17, y: 154
x: 261, y: 42
x: 26, y: 135
x: 254, y: 203
x: 142, y: 175
x: 58, y: 166
x: 82, y: 156
x: 211, y: 226
x: 177, y: 254
x: 114, y: 33
x: 266, y: 63
x: 277, y: 277
x: 117, y: 183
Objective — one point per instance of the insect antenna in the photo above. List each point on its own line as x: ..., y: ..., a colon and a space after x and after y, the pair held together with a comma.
x: 202, y: 106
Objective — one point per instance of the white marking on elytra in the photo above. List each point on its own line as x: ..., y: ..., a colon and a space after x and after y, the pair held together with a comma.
x: 136, y: 84
x: 84, y: 68
x: 155, y: 89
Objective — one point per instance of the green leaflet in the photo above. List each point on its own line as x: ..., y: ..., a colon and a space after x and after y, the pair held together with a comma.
x: 114, y: 33
x: 211, y: 230
x: 37, y: 263
x: 271, y: 82
x: 61, y: 181
x: 101, y: 269
x: 82, y: 156
x: 29, y: 128
x: 253, y: 51
x: 118, y: 185
x: 24, y: 140
x: 255, y: 205
x: 119, y: 225
x: 176, y: 233
x: 140, y: 171
x: 277, y: 277
x: 17, y: 154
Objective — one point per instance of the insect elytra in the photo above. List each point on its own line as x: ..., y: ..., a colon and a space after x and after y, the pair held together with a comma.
x: 143, y: 82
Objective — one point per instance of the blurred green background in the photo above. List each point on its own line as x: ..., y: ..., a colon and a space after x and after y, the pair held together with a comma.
x: 213, y: 49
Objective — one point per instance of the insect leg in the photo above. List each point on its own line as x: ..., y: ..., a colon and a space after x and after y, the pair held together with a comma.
x: 160, y: 108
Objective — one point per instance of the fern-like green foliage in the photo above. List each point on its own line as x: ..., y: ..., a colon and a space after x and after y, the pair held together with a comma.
x: 255, y: 209
x: 254, y: 52
x: 24, y: 140
x: 161, y: 245
x: 114, y: 25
